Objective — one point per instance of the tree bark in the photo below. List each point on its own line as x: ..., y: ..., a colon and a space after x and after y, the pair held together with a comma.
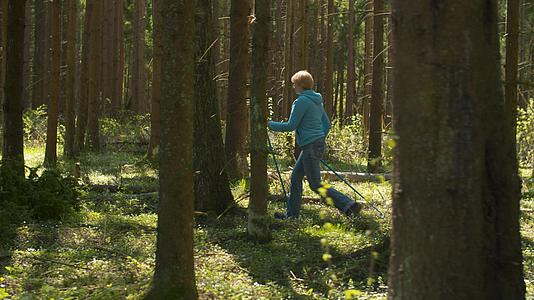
x: 288, y: 59
x: 237, y: 116
x: 377, y: 92
x: 83, y: 105
x: 512, y: 59
x: 454, y: 133
x: 40, y: 58
x: 328, y: 86
x: 351, y: 65
x: 138, y: 64
x: 368, y: 69
x: 27, y: 103
x: 118, y: 58
x: 212, y: 189
x: 94, y: 73
x: 13, y: 145
x: 70, y: 77
x: 156, y: 80
x: 258, y: 225
x: 54, y: 77
x: 174, y: 274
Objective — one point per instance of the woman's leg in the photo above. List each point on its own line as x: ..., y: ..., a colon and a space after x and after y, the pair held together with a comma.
x: 311, y: 160
x: 295, y: 190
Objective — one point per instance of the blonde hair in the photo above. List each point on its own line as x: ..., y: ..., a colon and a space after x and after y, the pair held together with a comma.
x: 303, y: 79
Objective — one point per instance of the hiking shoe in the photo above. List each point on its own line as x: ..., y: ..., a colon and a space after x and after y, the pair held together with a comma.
x: 354, y: 210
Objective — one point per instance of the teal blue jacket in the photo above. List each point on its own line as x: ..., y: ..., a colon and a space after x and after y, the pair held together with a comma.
x: 308, y: 118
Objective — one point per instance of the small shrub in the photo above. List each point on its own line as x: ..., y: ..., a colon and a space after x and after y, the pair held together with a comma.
x: 35, y: 124
x: 49, y: 196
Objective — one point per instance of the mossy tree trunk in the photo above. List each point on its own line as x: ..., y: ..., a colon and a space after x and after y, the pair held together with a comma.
x: 456, y: 189
x: 174, y: 276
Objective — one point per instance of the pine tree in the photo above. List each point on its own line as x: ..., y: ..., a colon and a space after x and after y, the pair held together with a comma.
x: 174, y: 276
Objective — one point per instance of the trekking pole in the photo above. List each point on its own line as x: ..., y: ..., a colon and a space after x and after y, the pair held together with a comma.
x: 277, y: 167
x: 348, y: 183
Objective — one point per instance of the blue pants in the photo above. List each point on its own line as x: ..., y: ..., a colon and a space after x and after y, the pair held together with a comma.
x: 309, y: 164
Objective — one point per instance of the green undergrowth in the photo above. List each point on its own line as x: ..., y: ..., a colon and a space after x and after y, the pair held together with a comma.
x: 106, y: 249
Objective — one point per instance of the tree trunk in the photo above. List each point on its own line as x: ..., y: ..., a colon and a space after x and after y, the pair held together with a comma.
x: 455, y: 134
x: 94, y: 73
x: 26, y: 97
x: 174, y: 274
x: 377, y: 92
x: 328, y: 86
x: 3, y: 50
x: 258, y: 225
x: 351, y: 64
x: 237, y: 116
x: 118, y: 58
x: 299, y: 34
x: 107, y: 88
x: 13, y: 152
x: 83, y: 105
x: 54, y: 77
x: 512, y: 58
x: 341, y: 83
x: 70, y: 77
x: 368, y: 69
x: 212, y: 189
x: 156, y: 80
x: 40, y: 58
x: 288, y: 60
x: 138, y: 64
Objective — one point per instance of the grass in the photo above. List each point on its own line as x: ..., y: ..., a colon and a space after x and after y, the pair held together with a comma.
x: 106, y: 251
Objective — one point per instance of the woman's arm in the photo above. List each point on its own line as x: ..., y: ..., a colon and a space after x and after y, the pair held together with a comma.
x: 297, y: 112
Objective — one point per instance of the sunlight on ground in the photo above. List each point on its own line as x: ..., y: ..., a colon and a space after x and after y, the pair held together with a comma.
x: 106, y: 251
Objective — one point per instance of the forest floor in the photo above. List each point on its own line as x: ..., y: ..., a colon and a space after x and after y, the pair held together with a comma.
x: 106, y: 250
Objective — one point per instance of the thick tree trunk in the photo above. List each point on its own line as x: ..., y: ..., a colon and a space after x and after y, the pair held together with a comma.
x: 83, y: 104
x: 454, y: 133
x: 351, y: 65
x: 212, y: 189
x: 377, y: 92
x: 156, y: 80
x: 40, y: 58
x: 237, y: 116
x: 54, y: 74
x: 70, y: 77
x: 13, y: 148
x: 258, y: 225
x: 138, y: 63
x: 174, y: 273
x: 328, y: 85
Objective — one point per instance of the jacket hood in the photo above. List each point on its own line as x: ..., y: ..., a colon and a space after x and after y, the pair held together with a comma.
x: 315, y: 97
